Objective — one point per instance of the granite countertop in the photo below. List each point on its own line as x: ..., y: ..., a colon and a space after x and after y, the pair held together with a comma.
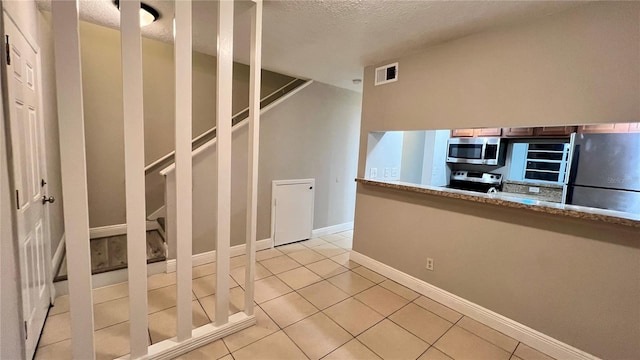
x: 513, y: 201
x: 526, y: 183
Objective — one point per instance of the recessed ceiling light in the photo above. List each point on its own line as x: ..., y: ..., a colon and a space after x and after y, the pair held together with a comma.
x: 147, y: 14
x: 357, y: 81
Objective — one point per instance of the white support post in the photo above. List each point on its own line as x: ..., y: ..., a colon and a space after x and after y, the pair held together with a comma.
x: 132, y: 104
x: 253, y: 152
x: 182, y: 54
x: 74, y: 175
x: 223, y: 134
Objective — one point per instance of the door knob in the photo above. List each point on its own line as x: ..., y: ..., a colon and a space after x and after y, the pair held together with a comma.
x: 49, y: 199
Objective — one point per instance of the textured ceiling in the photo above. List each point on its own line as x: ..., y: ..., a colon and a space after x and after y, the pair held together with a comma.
x: 332, y: 41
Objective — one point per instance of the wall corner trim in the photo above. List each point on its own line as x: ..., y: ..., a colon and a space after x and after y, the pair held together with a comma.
x: 520, y: 332
x: 332, y: 229
x: 210, y: 256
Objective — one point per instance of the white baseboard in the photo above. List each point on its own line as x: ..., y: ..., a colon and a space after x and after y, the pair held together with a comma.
x: 332, y: 229
x: 520, y: 332
x: 58, y: 255
x: 118, y: 229
x: 210, y: 256
x: 161, y: 212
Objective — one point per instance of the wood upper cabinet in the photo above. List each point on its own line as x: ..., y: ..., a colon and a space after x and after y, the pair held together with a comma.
x: 605, y: 128
x: 488, y: 132
x: 517, y: 132
x: 462, y: 133
x: 554, y: 130
x: 476, y: 132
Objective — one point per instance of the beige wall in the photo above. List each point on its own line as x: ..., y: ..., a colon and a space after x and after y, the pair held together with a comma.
x: 313, y: 134
x: 102, y: 91
x: 576, y: 281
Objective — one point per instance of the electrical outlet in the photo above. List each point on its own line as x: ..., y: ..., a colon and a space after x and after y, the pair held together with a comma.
x: 387, y: 172
x: 429, y: 264
x: 373, y: 173
x: 394, y: 172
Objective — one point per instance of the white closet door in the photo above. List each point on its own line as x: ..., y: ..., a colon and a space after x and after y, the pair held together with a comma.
x: 292, y: 212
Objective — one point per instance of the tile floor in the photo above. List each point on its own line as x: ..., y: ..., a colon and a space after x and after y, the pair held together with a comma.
x: 313, y: 303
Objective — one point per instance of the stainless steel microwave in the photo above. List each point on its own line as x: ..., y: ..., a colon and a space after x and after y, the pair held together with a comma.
x: 480, y: 151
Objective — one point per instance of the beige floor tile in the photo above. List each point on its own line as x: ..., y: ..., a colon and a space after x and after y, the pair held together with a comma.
x: 353, y: 350
x: 317, y: 335
x: 369, y: 274
x: 420, y: 322
x: 345, y: 243
x: 110, y: 292
x: 299, y: 277
x: 203, y: 270
x: 528, y: 353
x: 270, y: 288
x: 276, y: 346
x: 323, y: 294
x: 306, y: 256
x: 343, y: 259
x: 56, y: 328
x: 434, y: 354
x: 162, y: 324
x: 438, y: 309
x: 264, y: 326
x: 329, y: 250
x: 288, y: 309
x: 268, y: 254
x: 390, y: 341
x: 331, y: 237
x: 206, y: 285
x: 348, y: 233
x: 353, y: 315
x: 313, y: 242
x: 236, y: 302
x: 236, y: 261
x: 56, y: 351
x: 327, y: 268
x: 162, y: 298
x: 405, y: 292
x: 287, y: 249
x: 161, y: 280
x: 493, y: 336
x: 280, y: 264
x: 110, y: 313
x: 238, y: 274
x: 112, y: 342
x: 214, y: 350
x: 227, y: 357
x: 513, y: 357
x: 60, y: 305
x: 382, y: 300
x: 350, y: 282
x: 461, y: 344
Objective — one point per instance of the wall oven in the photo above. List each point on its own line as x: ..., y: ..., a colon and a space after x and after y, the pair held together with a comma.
x: 480, y: 151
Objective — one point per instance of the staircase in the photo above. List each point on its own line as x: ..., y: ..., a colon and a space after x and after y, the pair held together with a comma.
x: 154, y: 181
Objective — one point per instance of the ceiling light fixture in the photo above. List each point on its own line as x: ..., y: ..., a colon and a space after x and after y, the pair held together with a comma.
x: 357, y: 81
x: 147, y: 14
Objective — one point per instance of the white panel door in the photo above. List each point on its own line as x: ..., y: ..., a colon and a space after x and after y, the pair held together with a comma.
x: 292, y: 213
x: 28, y: 172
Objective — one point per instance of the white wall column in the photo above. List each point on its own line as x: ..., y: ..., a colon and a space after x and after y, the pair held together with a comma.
x: 132, y: 104
x: 74, y: 175
x: 182, y: 54
x: 223, y: 134
x: 253, y: 152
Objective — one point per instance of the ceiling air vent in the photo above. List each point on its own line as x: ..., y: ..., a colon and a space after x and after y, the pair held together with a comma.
x: 386, y: 74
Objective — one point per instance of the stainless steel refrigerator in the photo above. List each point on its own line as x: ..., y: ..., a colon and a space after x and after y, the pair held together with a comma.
x: 605, y: 172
